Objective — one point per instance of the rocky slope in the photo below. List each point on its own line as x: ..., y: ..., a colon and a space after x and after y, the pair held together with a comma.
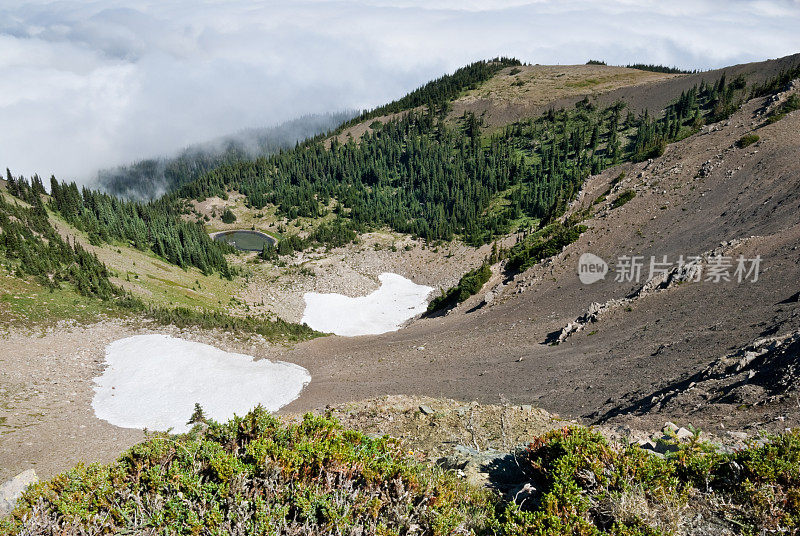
x: 646, y: 353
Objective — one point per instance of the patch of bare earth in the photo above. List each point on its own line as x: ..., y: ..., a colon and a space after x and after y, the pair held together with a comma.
x: 46, y: 389
x: 527, y: 91
x: 353, y: 270
x: 433, y: 426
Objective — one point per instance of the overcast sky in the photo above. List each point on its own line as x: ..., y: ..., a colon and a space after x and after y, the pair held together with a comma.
x: 89, y: 84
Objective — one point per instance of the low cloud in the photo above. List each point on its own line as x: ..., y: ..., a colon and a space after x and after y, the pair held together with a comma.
x: 85, y: 85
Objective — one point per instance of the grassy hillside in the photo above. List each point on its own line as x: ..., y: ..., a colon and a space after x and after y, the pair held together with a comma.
x: 526, y: 91
x: 51, y: 271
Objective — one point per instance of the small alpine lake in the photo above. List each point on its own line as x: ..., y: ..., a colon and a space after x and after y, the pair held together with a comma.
x: 245, y: 239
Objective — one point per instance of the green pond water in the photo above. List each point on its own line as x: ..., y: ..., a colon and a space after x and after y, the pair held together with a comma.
x: 245, y: 240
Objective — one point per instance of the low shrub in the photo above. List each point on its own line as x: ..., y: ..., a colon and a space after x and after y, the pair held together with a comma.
x: 790, y: 105
x: 275, y: 329
x: 228, y: 216
x: 747, y: 140
x: 543, y: 244
x: 469, y: 284
x: 254, y: 475
x: 623, y: 198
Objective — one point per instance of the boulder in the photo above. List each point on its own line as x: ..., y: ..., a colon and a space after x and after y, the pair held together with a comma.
x: 426, y: 410
x: 13, y: 489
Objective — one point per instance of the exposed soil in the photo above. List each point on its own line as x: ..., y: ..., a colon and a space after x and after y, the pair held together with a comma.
x: 527, y: 91
x: 432, y: 427
x: 353, y: 270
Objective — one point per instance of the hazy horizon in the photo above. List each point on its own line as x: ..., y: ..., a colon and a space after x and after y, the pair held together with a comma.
x: 88, y: 85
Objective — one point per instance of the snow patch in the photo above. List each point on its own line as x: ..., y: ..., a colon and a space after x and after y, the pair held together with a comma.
x: 153, y: 382
x: 386, y: 309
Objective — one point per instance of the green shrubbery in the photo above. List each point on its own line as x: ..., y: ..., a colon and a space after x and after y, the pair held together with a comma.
x: 790, y: 105
x: 623, y: 198
x: 332, y: 234
x: 592, y: 487
x: 275, y: 329
x: 747, y: 140
x: 469, y: 284
x: 228, y: 216
x: 545, y: 243
x: 254, y: 475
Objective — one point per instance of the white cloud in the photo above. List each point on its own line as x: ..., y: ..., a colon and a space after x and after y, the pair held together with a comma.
x: 85, y: 84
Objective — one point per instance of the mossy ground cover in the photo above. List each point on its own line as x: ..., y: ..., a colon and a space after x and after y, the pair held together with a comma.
x: 255, y: 475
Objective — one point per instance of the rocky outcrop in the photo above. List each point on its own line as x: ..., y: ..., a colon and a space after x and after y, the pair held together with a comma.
x: 681, y: 273
x: 772, y: 363
x: 766, y: 371
x: 13, y: 489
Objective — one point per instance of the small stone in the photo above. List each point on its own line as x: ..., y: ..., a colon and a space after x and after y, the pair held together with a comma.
x: 646, y: 444
x: 669, y: 425
x: 426, y: 410
x: 683, y: 433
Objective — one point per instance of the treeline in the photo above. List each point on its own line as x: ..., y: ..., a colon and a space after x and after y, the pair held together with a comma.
x: 152, y: 177
x: 438, y: 93
x: 777, y: 83
x: 421, y: 176
x: 30, y: 246
x: 415, y: 175
x: 154, y: 226
x: 706, y: 103
x: 659, y: 68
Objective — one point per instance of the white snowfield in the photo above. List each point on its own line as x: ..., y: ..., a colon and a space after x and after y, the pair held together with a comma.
x: 153, y: 382
x: 386, y: 309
